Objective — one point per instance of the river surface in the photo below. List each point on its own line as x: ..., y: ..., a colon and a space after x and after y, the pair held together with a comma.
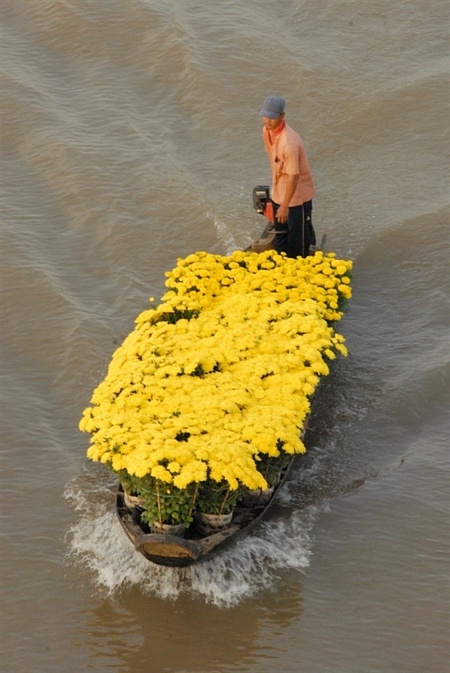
x: 131, y: 137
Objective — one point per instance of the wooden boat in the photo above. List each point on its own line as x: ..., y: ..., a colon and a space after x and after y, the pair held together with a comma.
x: 176, y: 551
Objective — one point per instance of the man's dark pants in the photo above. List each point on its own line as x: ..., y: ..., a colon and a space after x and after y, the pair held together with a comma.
x: 297, y: 234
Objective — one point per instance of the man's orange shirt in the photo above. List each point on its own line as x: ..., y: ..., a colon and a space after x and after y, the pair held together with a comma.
x: 287, y: 156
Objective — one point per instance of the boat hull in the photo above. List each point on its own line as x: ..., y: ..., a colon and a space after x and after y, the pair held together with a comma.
x: 179, y: 552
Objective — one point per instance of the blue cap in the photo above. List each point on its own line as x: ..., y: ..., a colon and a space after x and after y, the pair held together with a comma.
x: 272, y: 107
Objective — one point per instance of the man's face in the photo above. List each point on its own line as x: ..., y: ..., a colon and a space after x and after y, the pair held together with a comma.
x: 272, y: 124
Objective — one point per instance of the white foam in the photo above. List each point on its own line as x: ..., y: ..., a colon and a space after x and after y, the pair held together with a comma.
x: 98, y: 543
x: 225, y: 235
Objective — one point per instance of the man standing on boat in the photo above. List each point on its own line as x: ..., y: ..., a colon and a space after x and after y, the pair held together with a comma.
x: 292, y: 184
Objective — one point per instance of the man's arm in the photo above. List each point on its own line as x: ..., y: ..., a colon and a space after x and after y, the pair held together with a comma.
x: 283, y: 210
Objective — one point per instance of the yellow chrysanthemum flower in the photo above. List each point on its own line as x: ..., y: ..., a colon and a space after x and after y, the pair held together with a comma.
x: 192, y: 392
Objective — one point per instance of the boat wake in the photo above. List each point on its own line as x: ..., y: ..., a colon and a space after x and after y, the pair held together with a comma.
x: 98, y: 543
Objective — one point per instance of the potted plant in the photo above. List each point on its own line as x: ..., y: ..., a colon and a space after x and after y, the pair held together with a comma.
x: 215, y: 505
x: 271, y: 468
x: 131, y: 488
x: 164, y: 507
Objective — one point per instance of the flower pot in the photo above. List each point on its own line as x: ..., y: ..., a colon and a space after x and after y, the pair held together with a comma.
x: 178, y: 529
x: 212, y: 523
x: 258, y: 497
x: 132, y: 501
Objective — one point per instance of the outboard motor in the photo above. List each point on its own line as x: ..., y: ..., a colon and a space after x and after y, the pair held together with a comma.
x: 263, y: 205
x: 262, y: 202
x: 261, y: 196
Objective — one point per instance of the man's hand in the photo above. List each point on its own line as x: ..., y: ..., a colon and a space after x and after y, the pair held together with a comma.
x: 282, y: 213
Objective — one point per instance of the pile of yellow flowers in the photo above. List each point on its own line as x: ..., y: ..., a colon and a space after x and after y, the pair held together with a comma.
x: 222, y: 371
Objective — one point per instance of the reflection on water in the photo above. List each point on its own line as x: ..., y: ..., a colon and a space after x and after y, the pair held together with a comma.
x: 149, y: 635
